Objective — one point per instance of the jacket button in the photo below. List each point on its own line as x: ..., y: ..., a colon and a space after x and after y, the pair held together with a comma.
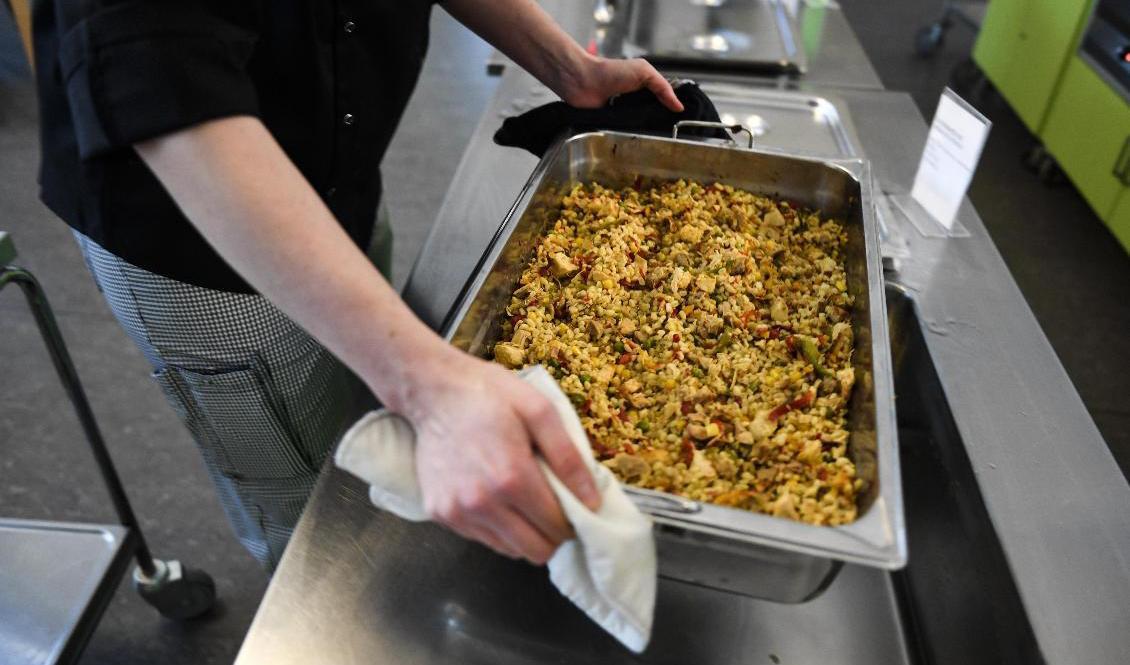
x: 349, y: 27
x: 347, y: 119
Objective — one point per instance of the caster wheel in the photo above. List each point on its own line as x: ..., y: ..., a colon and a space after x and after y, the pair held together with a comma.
x: 929, y: 39
x: 1034, y: 157
x: 175, y: 591
x: 1048, y: 172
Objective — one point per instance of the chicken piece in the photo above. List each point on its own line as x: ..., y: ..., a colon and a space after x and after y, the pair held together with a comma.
x: 701, y: 467
x: 509, y: 355
x: 627, y: 327
x: 726, y: 467
x: 680, y: 279
x: 605, y: 374
x: 639, y: 400
x: 785, y: 506
x: 652, y: 455
x: 706, y: 283
x: 779, y: 311
x: 703, y: 394
x: 629, y: 467
x: 744, y: 437
x: 632, y: 385
x: 521, y: 338
x: 598, y: 276
x: 762, y: 426
x: 561, y: 265
x: 690, y: 233
x: 701, y: 432
x: 840, y: 348
x: 712, y: 324
x: 594, y: 330
x: 640, y: 264
x: 774, y: 218
x: 811, y: 454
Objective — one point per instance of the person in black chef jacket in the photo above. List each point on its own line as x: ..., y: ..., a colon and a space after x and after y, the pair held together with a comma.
x: 218, y: 162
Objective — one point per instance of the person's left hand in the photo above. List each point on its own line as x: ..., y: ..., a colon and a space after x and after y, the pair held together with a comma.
x: 602, y: 78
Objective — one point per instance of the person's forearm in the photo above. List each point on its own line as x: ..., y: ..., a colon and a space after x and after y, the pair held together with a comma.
x: 530, y: 37
x: 239, y: 189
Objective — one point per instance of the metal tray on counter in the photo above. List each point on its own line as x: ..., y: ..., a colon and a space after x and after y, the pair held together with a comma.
x: 798, y: 122
x: 714, y: 546
x: 751, y: 36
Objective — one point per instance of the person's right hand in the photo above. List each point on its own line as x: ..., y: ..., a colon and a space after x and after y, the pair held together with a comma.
x: 478, y: 427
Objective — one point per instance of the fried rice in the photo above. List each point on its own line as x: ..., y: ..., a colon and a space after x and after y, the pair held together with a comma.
x: 703, y: 333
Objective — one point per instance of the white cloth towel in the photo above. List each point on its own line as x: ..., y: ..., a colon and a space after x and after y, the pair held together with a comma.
x: 609, y: 570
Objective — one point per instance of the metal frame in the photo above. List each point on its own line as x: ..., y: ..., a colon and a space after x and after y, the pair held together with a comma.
x: 175, y: 591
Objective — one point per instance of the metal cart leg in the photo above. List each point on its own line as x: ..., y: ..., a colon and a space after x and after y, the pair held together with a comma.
x: 174, y: 590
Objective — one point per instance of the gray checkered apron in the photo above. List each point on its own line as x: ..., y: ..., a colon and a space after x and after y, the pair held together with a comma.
x: 264, y: 401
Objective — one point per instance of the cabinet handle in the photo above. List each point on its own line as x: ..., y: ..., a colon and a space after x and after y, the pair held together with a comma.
x: 1122, y: 165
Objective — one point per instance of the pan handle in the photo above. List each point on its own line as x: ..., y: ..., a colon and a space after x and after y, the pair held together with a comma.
x: 733, y: 129
x: 648, y: 500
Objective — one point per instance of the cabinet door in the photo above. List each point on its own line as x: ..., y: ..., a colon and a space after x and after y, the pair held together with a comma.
x: 1119, y: 220
x: 1086, y: 131
x: 1022, y: 47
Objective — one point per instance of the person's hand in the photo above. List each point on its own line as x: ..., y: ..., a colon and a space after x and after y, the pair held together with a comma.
x: 478, y: 427
x: 602, y: 78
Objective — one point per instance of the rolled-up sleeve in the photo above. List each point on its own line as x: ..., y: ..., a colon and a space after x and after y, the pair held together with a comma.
x: 138, y: 70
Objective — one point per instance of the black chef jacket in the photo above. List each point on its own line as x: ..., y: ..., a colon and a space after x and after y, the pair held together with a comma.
x: 329, y: 79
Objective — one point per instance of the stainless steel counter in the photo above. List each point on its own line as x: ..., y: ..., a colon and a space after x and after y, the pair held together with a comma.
x: 358, y: 586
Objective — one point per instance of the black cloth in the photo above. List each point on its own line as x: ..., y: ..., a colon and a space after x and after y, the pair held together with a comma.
x: 639, y: 111
x: 328, y: 78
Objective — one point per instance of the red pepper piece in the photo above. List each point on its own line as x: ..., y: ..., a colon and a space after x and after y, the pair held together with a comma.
x: 686, y: 408
x: 687, y: 452
x: 624, y: 359
x: 802, y: 401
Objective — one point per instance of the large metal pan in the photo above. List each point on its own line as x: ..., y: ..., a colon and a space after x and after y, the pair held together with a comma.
x: 725, y: 548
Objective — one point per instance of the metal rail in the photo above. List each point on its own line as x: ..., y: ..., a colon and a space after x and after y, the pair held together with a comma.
x: 64, y: 366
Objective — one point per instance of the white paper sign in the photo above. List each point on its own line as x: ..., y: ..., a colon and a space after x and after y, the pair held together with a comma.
x: 952, y: 151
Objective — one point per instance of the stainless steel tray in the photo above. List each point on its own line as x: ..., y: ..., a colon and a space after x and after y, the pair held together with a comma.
x: 801, y: 123
x: 746, y: 35
x: 725, y: 548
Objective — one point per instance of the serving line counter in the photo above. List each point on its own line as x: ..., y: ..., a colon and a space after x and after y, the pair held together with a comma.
x: 1018, y: 519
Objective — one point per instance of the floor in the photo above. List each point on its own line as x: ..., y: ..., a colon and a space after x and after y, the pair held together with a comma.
x: 1070, y: 268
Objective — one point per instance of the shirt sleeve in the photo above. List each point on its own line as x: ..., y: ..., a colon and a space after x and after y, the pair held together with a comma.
x: 138, y: 70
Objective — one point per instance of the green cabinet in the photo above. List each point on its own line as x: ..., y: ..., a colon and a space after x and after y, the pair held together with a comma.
x: 1023, y: 47
x: 1085, y: 132
x: 1088, y: 133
